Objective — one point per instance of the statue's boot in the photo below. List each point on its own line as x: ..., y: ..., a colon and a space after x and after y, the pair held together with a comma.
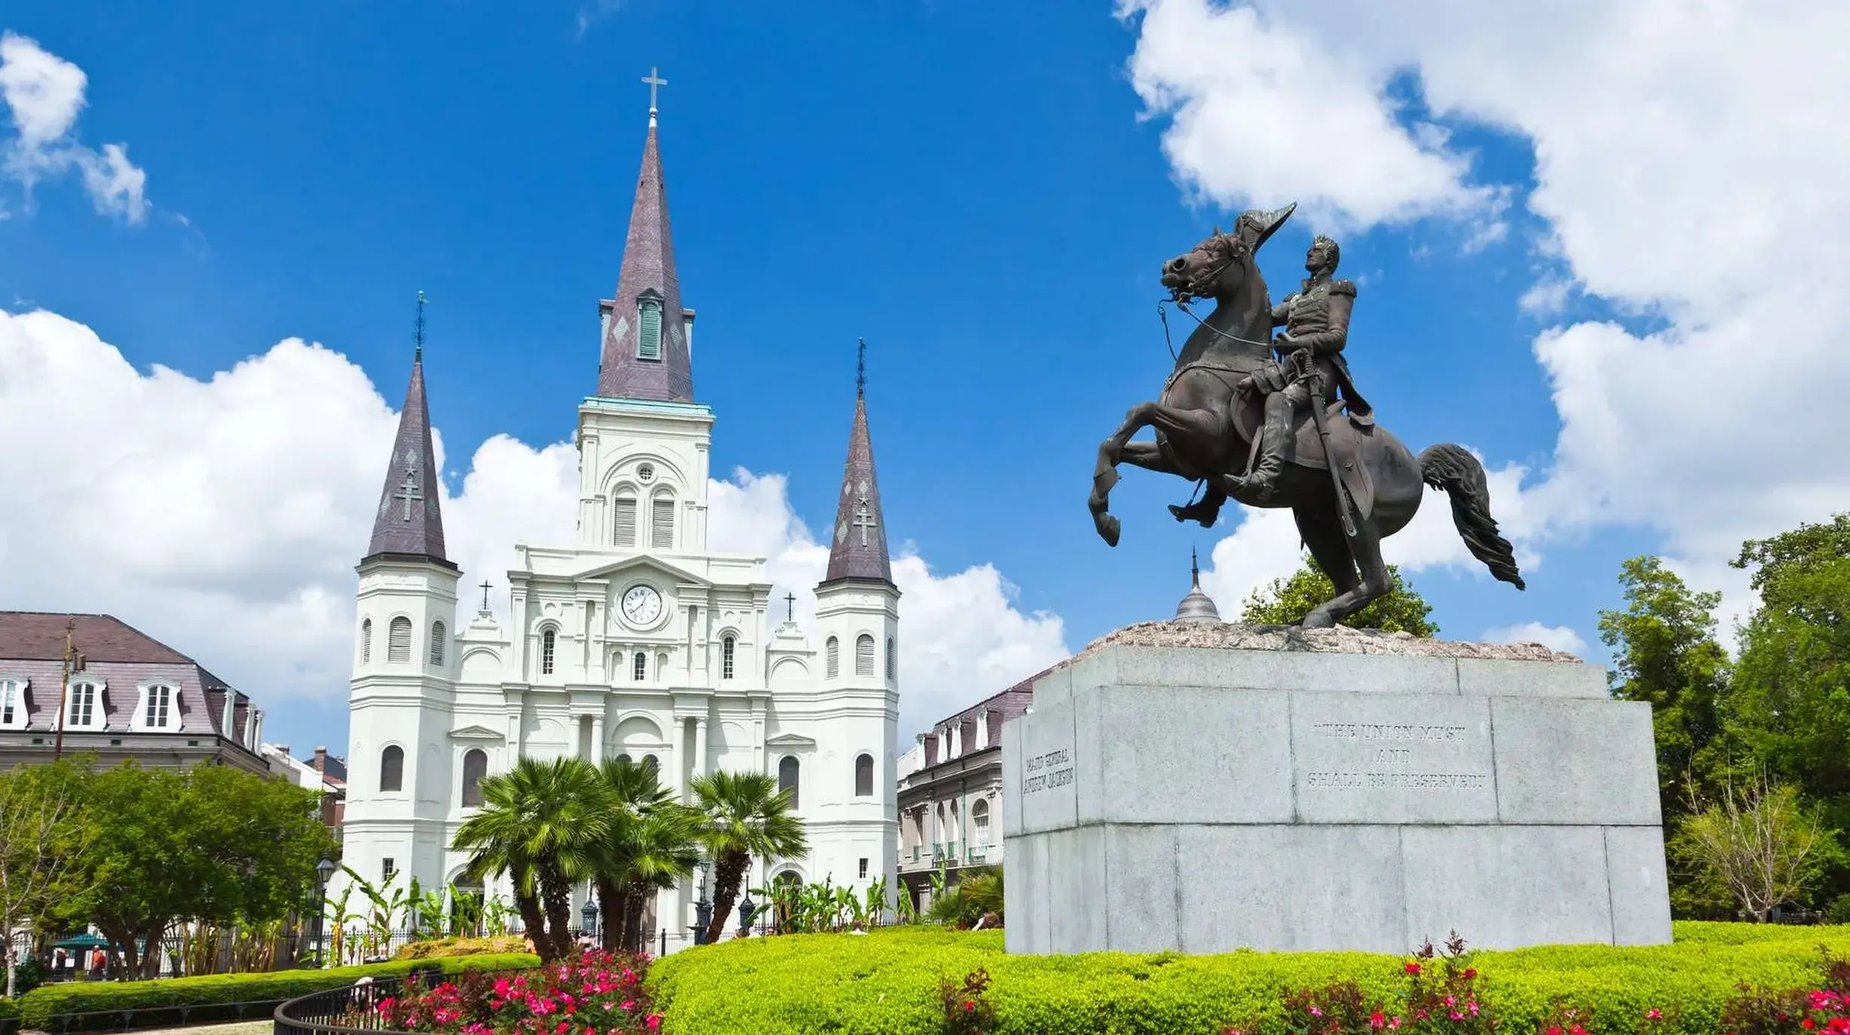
x: 1260, y: 482
x: 1200, y: 510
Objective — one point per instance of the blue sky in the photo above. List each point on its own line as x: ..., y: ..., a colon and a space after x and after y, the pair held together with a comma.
x: 975, y: 188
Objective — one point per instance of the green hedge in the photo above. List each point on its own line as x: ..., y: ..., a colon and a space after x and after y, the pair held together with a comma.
x: 46, y: 1006
x: 885, y: 982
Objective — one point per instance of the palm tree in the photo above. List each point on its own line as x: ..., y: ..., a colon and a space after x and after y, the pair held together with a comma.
x: 539, y: 823
x: 746, y: 816
x: 652, y: 842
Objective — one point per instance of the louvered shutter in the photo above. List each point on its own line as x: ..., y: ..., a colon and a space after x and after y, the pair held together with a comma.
x: 625, y: 534
x: 864, y: 655
x: 649, y: 331
x: 661, y: 529
x: 398, y: 646
x: 834, y: 656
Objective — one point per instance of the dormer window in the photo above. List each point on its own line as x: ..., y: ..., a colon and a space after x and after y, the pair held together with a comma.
x: 13, y: 713
x: 84, y: 709
x: 157, y: 707
x: 649, y: 327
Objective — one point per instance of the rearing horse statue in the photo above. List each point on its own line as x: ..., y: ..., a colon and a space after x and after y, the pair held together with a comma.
x: 1208, y: 415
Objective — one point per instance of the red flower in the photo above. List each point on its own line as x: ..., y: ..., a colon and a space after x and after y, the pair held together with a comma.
x: 1412, y: 967
x: 1470, y: 973
x: 1654, y: 1014
x: 969, y: 1006
x: 1808, y: 1024
x: 1376, y: 1019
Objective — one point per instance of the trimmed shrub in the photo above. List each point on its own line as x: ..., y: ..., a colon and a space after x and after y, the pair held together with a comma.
x: 438, y: 948
x: 887, y: 982
x: 82, y: 1005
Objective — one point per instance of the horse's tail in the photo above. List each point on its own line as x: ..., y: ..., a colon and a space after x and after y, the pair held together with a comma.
x: 1455, y: 470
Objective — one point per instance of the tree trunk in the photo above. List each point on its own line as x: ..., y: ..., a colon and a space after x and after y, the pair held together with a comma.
x: 533, y: 920
x: 727, y: 876
x: 556, y: 898
x: 610, y: 901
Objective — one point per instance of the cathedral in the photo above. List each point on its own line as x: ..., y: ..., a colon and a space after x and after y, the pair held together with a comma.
x: 634, y: 640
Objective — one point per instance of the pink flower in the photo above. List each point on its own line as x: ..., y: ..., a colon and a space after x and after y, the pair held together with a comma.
x: 1314, y: 1012
x: 1654, y: 1014
x: 629, y: 1004
x: 1376, y: 1019
x: 969, y: 1006
x: 654, y: 1022
x: 1455, y: 1015
x: 1412, y: 967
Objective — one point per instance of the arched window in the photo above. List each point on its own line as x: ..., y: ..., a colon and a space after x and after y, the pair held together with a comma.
x: 892, y: 660
x: 649, y: 328
x: 639, y: 667
x: 160, y: 707
x: 475, y: 766
x: 787, y: 777
x: 979, y: 822
x: 661, y: 664
x: 833, y: 653
x: 727, y: 648
x: 661, y: 522
x: 548, y: 640
x: 624, y: 758
x: 864, y: 776
x: 392, y: 769
x: 86, y: 706
x: 623, y: 529
x: 437, y: 635
x: 366, y: 641
x: 651, y: 763
x: 864, y: 655
x: 398, y: 641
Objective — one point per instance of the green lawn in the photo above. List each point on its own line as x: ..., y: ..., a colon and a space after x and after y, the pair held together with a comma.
x: 885, y: 982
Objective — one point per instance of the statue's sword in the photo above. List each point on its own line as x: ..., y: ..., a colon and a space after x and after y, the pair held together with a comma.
x: 1313, y: 380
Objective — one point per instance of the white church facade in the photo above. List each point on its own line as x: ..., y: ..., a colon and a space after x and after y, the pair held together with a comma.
x: 632, y: 639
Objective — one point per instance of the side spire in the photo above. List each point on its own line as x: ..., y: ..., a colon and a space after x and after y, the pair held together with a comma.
x: 1196, y: 606
x: 409, y: 520
x: 645, y: 349
x: 857, y: 549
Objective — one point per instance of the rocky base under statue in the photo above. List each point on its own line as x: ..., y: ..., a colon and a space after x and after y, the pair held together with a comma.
x: 1205, y: 787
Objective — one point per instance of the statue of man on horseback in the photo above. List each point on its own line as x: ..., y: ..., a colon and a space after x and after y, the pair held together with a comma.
x: 1316, y: 322
x: 1346, y: 491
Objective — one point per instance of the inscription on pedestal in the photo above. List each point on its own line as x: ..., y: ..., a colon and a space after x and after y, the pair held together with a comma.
x: 1048, y: 769
x: 1398, y: 760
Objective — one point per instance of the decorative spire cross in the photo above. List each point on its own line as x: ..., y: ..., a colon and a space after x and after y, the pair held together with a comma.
x: 420, y: 331
x: 408, y: 492
x: 860, y: 370
x: 486, y: 586
x: 655, y: 81
x: 790, y: 607
x: 864, y: 520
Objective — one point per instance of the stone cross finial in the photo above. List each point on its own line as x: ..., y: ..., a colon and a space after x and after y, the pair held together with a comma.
x: 486, y: 586
x: 655, y: 81
x: 790, y: 607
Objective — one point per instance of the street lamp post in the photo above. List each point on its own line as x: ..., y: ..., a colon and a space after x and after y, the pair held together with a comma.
x: 589, y: 913
x: 746, y: 909
x: 324, y: 871
x: 703, y: 910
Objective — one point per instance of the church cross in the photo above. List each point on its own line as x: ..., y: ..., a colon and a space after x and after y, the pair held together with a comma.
x: 863, y: 520
x: 408, y: 492
x: 790, y: 607
x: 486, y: 586
x: 655, y: 81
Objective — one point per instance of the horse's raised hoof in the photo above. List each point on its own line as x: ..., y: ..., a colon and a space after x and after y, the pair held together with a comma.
x: 1193, y: 512
x: 1108, y: 528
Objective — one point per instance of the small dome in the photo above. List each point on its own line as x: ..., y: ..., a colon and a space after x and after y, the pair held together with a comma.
x: 1197, y: 606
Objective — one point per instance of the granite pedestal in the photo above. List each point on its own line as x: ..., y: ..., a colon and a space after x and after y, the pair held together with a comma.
x: 1211, y: 788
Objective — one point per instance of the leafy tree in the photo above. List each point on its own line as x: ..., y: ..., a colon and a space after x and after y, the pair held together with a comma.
x: 1760, y: 843
x: 1287, y: 601
x: 213, y: 844
x: 541, y: 824
x: 1791, y: 701
x: 40, y: 844
x: 1665, y: 653
x: 746, y: 817
x: 652, y: 843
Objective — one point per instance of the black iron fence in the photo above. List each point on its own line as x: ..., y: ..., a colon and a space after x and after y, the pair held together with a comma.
x: 354, y: 1008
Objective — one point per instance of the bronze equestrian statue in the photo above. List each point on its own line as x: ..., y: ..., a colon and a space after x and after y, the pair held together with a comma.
x: 1289, y: 431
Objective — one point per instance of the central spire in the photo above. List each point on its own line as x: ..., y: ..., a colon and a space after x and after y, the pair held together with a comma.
x: 645, y: 348
x: 857, y: 549
x: 409, y: 521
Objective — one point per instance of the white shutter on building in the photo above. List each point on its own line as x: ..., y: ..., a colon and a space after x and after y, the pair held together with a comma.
x: 864, y: 655
x: 661, y: 529
x: 626, y: 522
x: 398, y: 645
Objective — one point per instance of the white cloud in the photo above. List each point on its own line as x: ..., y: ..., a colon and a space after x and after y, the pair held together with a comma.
x: 1554, y: 637
x: 1687, y: 166
x: 44, y: 94
x: 225, y: 516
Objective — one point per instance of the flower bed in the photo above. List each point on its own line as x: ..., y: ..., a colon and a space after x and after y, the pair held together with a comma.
x: 888, y: 982
x: 592, y: 993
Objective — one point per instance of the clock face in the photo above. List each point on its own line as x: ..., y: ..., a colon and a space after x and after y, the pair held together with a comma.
x: 642, y: 605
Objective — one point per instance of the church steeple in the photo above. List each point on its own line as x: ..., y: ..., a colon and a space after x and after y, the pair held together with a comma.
x: 409, y: 521
x: 646, y: 352
x: 858, y: 546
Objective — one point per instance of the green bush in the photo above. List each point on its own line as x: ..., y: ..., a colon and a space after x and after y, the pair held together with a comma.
x: 208, y: 997
x: 439, y: 948
x: 886, y: 982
